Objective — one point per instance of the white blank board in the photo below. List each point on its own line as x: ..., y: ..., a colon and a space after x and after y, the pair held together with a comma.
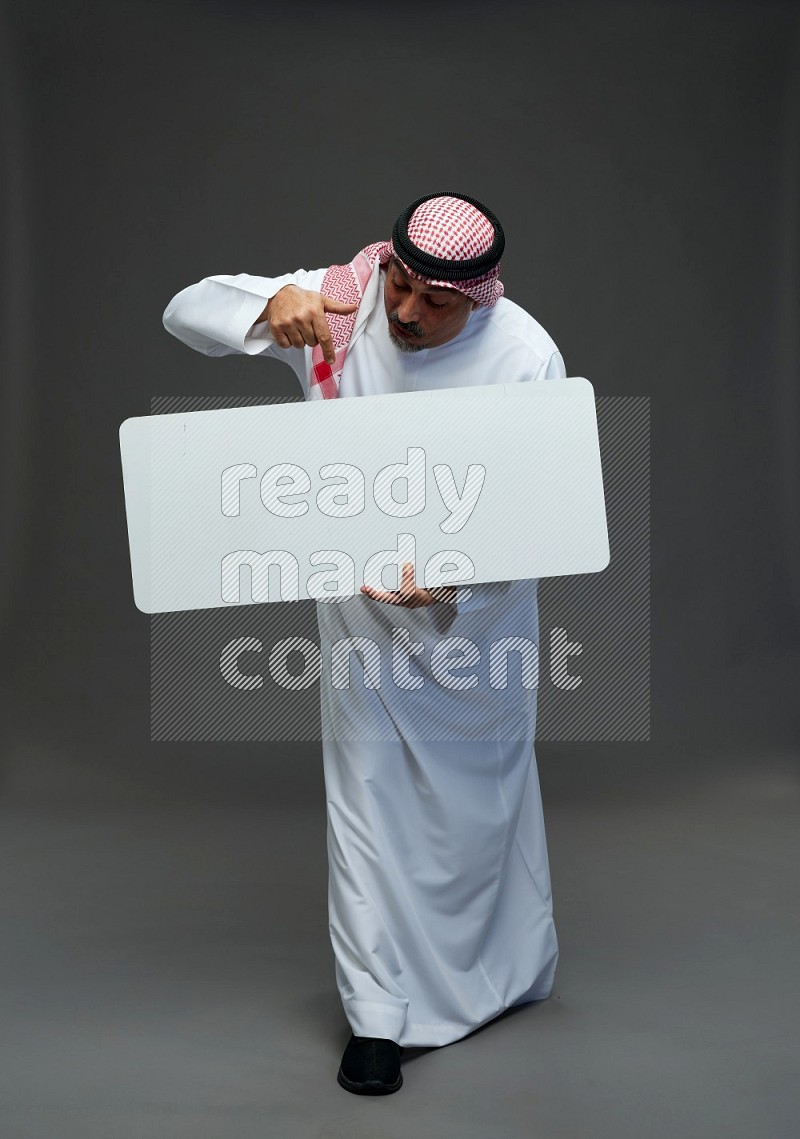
x: 290, y: 501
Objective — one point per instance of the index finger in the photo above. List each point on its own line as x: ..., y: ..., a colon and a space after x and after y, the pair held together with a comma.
x: 407, y: 583
x: 322, y: 331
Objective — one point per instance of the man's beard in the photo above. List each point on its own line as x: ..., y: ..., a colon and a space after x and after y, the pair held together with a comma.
x: 398, y: 341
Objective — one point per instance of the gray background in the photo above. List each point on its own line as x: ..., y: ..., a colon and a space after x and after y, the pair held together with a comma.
x: 165, y: 965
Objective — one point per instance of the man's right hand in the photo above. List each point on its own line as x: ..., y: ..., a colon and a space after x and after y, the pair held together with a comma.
x: 297, y: 317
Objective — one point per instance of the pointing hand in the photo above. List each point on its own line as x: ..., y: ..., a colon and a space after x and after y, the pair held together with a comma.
x: 409, y: 594
x: 297, y: 317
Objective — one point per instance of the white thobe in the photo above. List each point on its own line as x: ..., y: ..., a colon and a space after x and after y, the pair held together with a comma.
x: 440, y: 907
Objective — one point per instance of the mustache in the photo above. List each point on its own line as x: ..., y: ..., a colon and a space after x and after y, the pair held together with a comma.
x: 414, y: 329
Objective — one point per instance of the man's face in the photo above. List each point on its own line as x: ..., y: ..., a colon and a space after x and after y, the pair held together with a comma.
x: 420, y: 315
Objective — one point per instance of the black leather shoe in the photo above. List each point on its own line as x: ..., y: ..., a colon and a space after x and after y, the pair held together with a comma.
x: 371, y: 1066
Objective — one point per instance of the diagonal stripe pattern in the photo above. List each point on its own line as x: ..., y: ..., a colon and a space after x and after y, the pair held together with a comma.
x: 255, y: 673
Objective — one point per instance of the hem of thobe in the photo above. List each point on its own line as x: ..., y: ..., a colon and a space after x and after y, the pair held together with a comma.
x: 389, y: 1022
x: 373, y: 1018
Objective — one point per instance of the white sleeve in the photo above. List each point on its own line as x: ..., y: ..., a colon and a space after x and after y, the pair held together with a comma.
x: 217, y: 315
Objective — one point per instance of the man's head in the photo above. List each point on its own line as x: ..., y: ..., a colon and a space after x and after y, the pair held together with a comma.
x: 422, y: 315
x: 444, y: 262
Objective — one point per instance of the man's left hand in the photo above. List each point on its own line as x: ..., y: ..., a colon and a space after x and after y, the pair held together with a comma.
x: 410, y: 595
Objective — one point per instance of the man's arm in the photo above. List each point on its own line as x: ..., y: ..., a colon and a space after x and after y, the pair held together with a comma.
x: 218, y: 316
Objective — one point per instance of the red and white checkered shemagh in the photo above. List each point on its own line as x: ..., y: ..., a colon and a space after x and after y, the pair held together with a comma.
x: 442, y: 227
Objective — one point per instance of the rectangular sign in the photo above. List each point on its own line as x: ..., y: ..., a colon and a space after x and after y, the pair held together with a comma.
x: 292, y: 501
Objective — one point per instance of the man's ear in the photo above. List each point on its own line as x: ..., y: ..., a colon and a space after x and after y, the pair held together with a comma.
x: 474, y: 305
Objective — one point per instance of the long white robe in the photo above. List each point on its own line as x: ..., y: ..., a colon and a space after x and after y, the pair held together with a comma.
x: 440, y: 907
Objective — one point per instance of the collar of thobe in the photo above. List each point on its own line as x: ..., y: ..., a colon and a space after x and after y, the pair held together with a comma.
x: 372, y: 292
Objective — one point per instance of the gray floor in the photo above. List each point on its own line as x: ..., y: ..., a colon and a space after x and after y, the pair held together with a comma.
x: 166, y: 971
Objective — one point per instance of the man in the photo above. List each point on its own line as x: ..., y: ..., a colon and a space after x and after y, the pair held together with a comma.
x: 439, y: 890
